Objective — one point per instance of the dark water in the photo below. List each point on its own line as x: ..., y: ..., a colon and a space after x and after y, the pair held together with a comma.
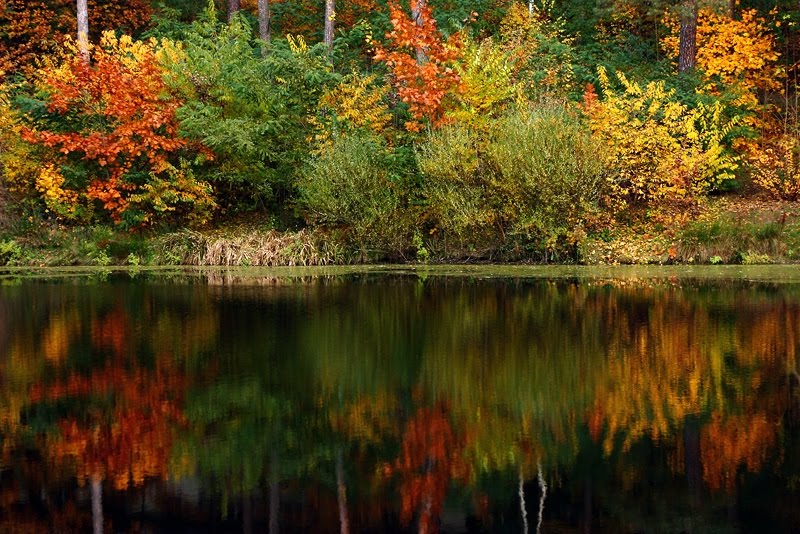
x: 397, y: 401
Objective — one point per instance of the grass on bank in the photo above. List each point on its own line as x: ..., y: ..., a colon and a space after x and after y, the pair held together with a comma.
x: 727, y: 230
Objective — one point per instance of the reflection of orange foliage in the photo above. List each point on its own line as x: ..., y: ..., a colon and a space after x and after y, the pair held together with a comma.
x: 132, y: 441
x: 665, y: 368
x: 430, y: 458
x: 423, y: 85
x: 59, y: 333
x: 367, y: 419
x: 111, y: 331
x: 659, y: 372
x: 726, y: 444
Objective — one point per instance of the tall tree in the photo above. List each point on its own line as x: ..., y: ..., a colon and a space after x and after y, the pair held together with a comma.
x: 688, y: 38
x: 330, y: 17
x: 83, y: 29
x: 263, y: 20
x: 233, y: 7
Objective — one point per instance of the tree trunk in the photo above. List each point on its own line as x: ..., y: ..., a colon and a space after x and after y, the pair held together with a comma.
x: 83, y: 29
x: 97, y: 505
x: 233, y: 7
x: 330, y: 18
x: 274, y: 496
x: 341, y: 486
x: 543, y: 488
x: 692, y: 462
x: 416, y: 14
x: 247, y: 514
x: 263, y: 20
x: 530, y: 7
x: 688, y: 37
x: 522, y: 507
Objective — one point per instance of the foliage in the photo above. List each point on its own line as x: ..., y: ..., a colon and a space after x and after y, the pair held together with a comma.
x: 349, y: 185
x: 486, y: 83
x: 18, y: 163
x: 357, y: 103
x: 32, y: 27
x: 542, y: 52
x: 658, y: 149
x: 109, y: 126
x: 252, y: 111
x: 421, y: 83
x: 775, y: 166
x: 739, y: 54
x: 531, y: 179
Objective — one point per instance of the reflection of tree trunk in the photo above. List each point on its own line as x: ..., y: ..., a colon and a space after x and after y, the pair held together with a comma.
x: 247, y: 513
x: 344, y: 522
x: 543, y: 486
x: 587, y: 505
x: 522, y: 508
x: 97, y: 504
x: 688, y: 38
x: 425, y: 516
x: 691, y: 460
x: 274, y: 498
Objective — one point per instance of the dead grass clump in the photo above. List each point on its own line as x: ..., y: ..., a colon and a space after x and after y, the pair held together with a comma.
x: 249, y: 249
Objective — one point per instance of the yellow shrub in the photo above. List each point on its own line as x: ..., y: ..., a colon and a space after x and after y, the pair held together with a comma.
x: 49, y: 184
x: 486, y: 86
x: 657, y: 148
x: 357, y: 103
x: 775, y: 167
x: 18, y: 167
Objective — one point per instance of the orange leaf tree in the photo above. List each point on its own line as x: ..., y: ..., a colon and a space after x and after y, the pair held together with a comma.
x: 112, y: 125
x: 30, y: 27
x: 421, y: 84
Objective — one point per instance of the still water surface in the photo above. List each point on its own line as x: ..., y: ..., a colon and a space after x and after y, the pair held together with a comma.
x: 505, y: 400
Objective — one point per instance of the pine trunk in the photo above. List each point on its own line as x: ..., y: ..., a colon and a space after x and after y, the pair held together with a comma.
x: 416, y: 15
x: 330, y: 17
x: 83, y: 29
x: 263, y: 20
x: 688, y: 37
x: 233, y: 7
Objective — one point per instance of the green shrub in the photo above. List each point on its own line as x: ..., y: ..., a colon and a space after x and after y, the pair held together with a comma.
x: 524, y: 186
x: 348, y: 186
x: 251, y: 110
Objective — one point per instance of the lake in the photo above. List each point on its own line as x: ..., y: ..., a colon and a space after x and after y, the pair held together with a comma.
x: 407, y: 399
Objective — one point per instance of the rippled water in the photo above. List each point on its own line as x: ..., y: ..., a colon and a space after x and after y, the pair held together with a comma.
x: 500, y: 400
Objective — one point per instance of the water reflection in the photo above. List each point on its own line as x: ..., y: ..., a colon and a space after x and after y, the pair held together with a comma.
x: 379, y: 402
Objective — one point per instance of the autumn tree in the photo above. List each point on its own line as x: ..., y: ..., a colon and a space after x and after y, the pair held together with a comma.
x: 31, y: 28
x: 122, y: 129
x: 421, y: 63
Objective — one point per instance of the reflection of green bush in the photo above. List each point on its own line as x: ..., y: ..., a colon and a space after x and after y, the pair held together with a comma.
x: 523, y: 184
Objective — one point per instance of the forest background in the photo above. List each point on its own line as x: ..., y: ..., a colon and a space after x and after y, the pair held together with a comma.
x: 314, y: 132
